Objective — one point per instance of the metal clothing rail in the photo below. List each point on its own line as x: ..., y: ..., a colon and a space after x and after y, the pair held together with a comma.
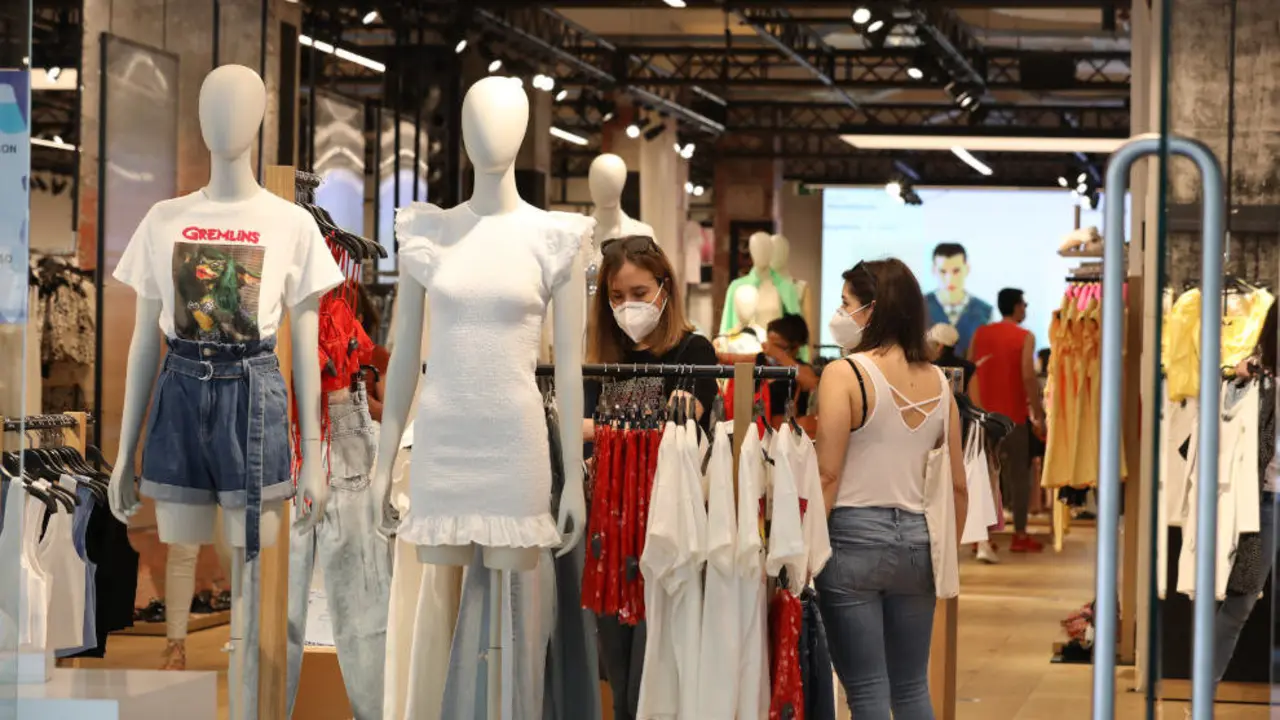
x: 1213, y: 230
x: 697, y: 372
x: 43, y: 422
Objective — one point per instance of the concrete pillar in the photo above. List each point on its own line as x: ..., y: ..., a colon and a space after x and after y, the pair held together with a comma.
x: 1200, y: 96
x: 663, y: 202
x: 802, y: 225
x: 745, y: 190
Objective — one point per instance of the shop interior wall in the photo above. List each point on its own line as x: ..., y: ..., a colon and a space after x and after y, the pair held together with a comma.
x: 184, y: 29
x: 802, y: 226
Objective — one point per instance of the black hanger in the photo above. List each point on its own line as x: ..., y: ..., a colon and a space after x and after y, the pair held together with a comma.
x: 95, y: 455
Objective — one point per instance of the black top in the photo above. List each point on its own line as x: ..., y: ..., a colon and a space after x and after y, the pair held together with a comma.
x: 779, y: 390
x: 692, y: 350
x: 949, y: 359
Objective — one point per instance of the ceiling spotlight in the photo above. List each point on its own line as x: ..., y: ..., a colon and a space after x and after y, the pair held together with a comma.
x: 875, y: 26
x: 966, y: 100
x: 560, y: 96
x: 495, y: 66
x: 607, y: 116
x: 687, y: 151
x: 369, y: 17
x: 676, y: 3
x: 1081, y: 178
x: 1063, y: 181
x: 656, y: 131
x: 1082, y: 188
x: 58, y: 139
x: 543, y: 82
x: 861, y: 16
x: 53, y: 73
x: 462, y: 45
x: 915, y: 73
x: 688, y: 187
x: 678, y: 148
x: 633, y: 131
x: 698, y: 190
x: 894, y: 188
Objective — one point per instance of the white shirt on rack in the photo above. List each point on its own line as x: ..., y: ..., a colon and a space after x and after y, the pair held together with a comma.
x: 66, y: 577
x: 786, y: 529
x: 813, y: 510
x: 687, y: 597
x: 664, y: 552
x: 721, y: 642
x: 753, y: 664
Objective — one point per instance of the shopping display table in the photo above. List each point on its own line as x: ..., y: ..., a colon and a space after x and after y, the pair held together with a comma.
x: 120, y: 695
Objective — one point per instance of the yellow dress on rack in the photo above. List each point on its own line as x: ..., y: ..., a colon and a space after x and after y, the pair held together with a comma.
x: 1242, y: 326
x: 1181, y: 355
x: 1058, y: 455
x: 1088, y: 362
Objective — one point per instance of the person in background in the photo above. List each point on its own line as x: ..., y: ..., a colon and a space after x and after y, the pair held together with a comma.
x: 1252, y: 565
x: 784, y: 338
x: 637, y: 316
x: 951, y: 303
x: 884, y: 411
x: 1006, y: 383
x: 1039, y: 437
x: 943, y: 339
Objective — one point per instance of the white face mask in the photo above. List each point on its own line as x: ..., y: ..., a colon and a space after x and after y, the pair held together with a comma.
x: 844, y: 329
x: 638, y: 318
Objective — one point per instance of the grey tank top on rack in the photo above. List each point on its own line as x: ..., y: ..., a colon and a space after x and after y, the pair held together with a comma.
x: 884, y: 464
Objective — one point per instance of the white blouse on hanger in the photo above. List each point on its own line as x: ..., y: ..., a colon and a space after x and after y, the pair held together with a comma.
x: 721, y: 642
x: 753, y: 664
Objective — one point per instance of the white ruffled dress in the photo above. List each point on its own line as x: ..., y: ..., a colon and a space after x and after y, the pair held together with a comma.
x: 481, y: 469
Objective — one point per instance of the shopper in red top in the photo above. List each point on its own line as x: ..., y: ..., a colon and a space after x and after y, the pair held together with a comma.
x: 1006, y: 383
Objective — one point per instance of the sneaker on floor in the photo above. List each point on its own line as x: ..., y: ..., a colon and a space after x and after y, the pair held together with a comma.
x: 987, y: 553
x: 1025, y: 544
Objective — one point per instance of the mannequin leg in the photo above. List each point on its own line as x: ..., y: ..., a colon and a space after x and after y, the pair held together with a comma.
x: 235, y: 667
x: 459, y: 555
x: 179, y: 587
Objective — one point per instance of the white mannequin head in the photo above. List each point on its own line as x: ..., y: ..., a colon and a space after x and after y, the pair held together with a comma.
x: 761, y: 247
x: 495, y: 116
x: 606, y: 178
x: 781, y: 252
x: 745, y: 301
x: 233, y: 101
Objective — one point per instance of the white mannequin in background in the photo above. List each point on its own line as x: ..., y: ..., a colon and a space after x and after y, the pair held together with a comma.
x: 780, y: 264
x: 232, y: 105
x: 749, y: 337
x: 769, y: 304
x: 606, y: 179
x: 495, y: 116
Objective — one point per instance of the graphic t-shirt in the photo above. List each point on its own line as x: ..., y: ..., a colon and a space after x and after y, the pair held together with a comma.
x: 225, y: 271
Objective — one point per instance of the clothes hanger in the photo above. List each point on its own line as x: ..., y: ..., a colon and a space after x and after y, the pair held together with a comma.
x: 33, y: 486
x: 52, y: 472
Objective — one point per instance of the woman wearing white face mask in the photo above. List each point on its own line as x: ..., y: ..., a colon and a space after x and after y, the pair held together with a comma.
x: 637, y: 316
x: 884, y: 409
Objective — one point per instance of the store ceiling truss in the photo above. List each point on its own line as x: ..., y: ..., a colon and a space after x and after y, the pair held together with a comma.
x: 799, y: 43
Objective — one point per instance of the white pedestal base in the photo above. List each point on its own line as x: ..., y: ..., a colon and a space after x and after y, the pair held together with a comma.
x: 120, y: 695
x: 27, y: 665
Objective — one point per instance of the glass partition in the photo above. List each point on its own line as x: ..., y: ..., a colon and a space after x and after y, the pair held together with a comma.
x: 15, y: 171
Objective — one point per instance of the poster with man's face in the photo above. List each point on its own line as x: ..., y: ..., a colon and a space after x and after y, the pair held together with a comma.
x: 963, y: 246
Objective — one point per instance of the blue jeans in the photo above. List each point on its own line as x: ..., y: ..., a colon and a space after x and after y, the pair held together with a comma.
x: 1235, y: 610
x: 354, y: 559
x: 877, y: 598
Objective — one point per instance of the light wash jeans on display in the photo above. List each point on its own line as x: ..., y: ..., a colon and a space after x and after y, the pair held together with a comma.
x: 877, y: 598
x: 354, y: 559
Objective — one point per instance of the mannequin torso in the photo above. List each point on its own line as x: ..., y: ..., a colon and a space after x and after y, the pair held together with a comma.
x: 606, y: 180
x: 748, y: 337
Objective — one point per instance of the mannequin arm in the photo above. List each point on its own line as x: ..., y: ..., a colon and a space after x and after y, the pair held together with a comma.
x: 140, y: 376
x: 304, y: 321
x: 569, y: 301
x: 401, y: 387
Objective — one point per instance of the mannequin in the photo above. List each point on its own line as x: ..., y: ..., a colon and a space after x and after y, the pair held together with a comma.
x: 780, y: 265
x: 495, y: 116
x: 231, y: 108
x: 777, y: 294
x: 606, y: 179
x: 747, y: 339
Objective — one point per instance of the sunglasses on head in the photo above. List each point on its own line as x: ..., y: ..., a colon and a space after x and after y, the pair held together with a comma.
x: 633, y: 245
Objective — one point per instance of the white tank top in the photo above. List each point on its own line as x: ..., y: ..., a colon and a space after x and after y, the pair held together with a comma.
x: 884, y: 465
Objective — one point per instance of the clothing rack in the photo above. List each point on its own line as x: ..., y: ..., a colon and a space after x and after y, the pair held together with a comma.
x: 48, y: 422
x: 697, y: 372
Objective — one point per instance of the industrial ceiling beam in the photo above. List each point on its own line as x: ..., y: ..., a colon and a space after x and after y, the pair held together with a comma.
x: 797, y: 42
x: 807, y: 4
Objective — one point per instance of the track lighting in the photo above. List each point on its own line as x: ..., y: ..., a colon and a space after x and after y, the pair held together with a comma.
x: 876, y: 26
x: 560, y: 96
x: 1081, y: 178
x: 655, y: 132
x: 861, y: 16
x: 1063, y: 181
x: 688, y: 187
x: 968, y: 97
x: 915, y: 73
x: 901, y: 189
x: 369, y: 17
x: 633, y: 131
x: 698, y: 190
x: 460, y: 47
x: 543, y: 82
x: 53, y: 73
x: 687, y: 151
x: 495, y: 66
x: 676, y: 3
x: 968, y: 159
x: 567, y: 136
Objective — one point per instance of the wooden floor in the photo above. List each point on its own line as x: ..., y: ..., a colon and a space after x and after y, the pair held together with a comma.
x: 1009, y: 615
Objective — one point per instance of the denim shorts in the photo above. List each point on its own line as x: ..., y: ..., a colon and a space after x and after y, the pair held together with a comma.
x: 219, y: 427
